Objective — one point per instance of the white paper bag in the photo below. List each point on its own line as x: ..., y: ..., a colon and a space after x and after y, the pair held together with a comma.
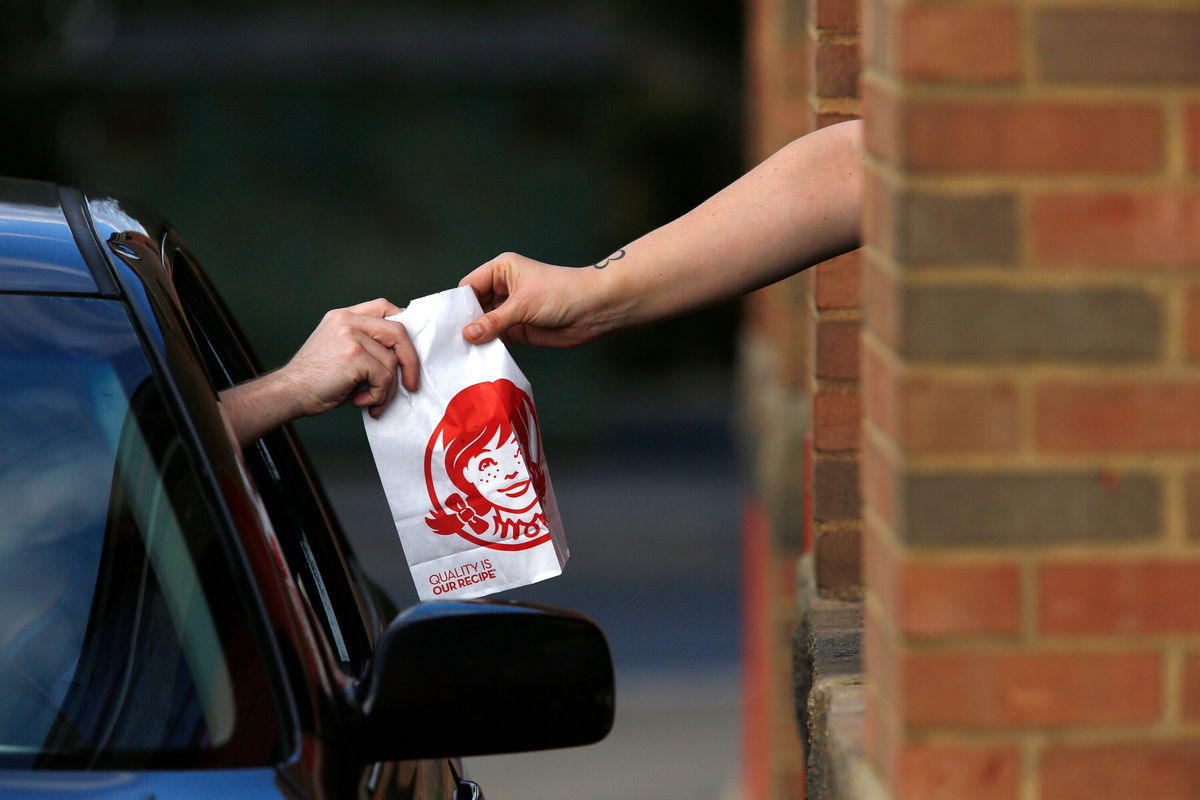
x: 462, y: 464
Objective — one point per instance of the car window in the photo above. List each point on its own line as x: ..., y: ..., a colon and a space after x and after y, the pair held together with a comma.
x: 121, y: 641
x: 292, y: 500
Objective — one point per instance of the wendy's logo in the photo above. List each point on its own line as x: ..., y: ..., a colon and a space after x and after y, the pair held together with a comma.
x: 484, y: 469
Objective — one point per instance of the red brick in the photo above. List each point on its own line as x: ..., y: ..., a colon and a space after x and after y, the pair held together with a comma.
x: 1136, y: 229
x: 772, y: 312
x: 836, y: 420
x: 808, y: 500
x: 836, y: 344
x: 786, y: 22
x: 942, y: 416
x: 1118, y: 416
x: 834, y: 14
x: 927, y: 415
x: 955, y: 599
x: 836, y: 488
x: 784, y: 323
x: 1133, y: 46
x: 882, y: 569
x: 794, y: 71
x: 825, y: 120
x: 1192, y: 132
x: 879, y: 484
x: 793, y: 119
x: 784, y: 113
x: 1191, y: 685
x: 757, y: 312
x: 837, y: 283
x: 997, y: 688
x: 880, y: 392
x: 838, y: 563
x: 939, y: 42
x: 949, y: 772
x: 835, y: 70
x: 1032, y: 137
x: 878, y: 35
x: 1163, y: 770
x: 881, y: 307
x: 879, y: 214
x: 1120, y: 598
x: 881, y: 122
x: 806, y: 317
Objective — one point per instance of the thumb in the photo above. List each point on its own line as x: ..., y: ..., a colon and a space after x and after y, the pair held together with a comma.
x: 491, y: 325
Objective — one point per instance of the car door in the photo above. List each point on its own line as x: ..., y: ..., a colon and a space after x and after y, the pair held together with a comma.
x: 337, y: 597
x: 130, y: 650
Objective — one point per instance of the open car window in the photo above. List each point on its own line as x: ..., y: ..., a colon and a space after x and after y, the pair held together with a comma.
x: 305, y: 530
x: 123, y: 640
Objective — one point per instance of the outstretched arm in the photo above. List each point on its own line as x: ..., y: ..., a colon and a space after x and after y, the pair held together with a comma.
x: 352, y: 355
x: 796, y: 209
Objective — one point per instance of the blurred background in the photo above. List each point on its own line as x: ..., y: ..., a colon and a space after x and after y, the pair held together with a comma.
x: 315, y: 155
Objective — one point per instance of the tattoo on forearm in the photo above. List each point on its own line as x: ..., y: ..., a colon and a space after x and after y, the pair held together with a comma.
x: 617, y: 256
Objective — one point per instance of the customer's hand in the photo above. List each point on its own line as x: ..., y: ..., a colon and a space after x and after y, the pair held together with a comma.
x: 352, y: 355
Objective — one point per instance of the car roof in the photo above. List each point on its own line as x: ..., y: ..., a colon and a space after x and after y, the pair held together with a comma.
x: 40, y: 249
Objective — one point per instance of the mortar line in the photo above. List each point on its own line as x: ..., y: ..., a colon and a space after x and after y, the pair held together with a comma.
x: 1030, y: 756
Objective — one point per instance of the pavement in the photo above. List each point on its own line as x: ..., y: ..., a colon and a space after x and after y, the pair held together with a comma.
x: 654, y: 539
x: 675, y: 736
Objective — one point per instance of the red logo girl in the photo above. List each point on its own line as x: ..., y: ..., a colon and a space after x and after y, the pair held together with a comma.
x: 483, y: 469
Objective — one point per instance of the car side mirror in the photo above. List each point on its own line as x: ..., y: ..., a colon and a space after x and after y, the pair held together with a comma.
x: 484, y: 677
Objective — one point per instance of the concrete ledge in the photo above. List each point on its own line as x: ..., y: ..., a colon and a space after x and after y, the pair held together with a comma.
x: 837, y: 768
x: 830, y: 695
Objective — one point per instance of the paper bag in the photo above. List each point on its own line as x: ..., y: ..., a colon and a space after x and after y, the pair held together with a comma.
x: 462, y: 464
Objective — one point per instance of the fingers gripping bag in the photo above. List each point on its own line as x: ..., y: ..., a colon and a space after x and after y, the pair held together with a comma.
x: 462, y: 464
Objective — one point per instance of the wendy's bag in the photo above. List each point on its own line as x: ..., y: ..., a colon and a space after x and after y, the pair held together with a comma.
x: 462, y: 463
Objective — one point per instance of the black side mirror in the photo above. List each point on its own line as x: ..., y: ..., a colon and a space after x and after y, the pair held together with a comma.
x: 484, y: 677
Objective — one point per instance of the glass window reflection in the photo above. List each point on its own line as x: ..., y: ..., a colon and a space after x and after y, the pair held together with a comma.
x: 114, y: 646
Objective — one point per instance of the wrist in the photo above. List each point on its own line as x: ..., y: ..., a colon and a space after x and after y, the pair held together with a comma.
x: 260, y: 405
x: 609, y: 297
x: 282, y: 393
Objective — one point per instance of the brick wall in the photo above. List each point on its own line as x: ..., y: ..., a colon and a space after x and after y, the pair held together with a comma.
x: 775, y: 420
x: 1031, y: 384
x: 800, y: 374
x: 831, y: 311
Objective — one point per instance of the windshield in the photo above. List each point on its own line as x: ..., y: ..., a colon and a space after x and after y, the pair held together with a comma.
x: 122, y: 638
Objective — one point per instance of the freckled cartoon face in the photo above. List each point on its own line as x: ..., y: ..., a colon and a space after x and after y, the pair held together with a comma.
x: 500, y: 475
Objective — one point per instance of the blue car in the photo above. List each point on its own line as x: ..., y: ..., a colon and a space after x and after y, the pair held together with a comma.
x: 183, y: 618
